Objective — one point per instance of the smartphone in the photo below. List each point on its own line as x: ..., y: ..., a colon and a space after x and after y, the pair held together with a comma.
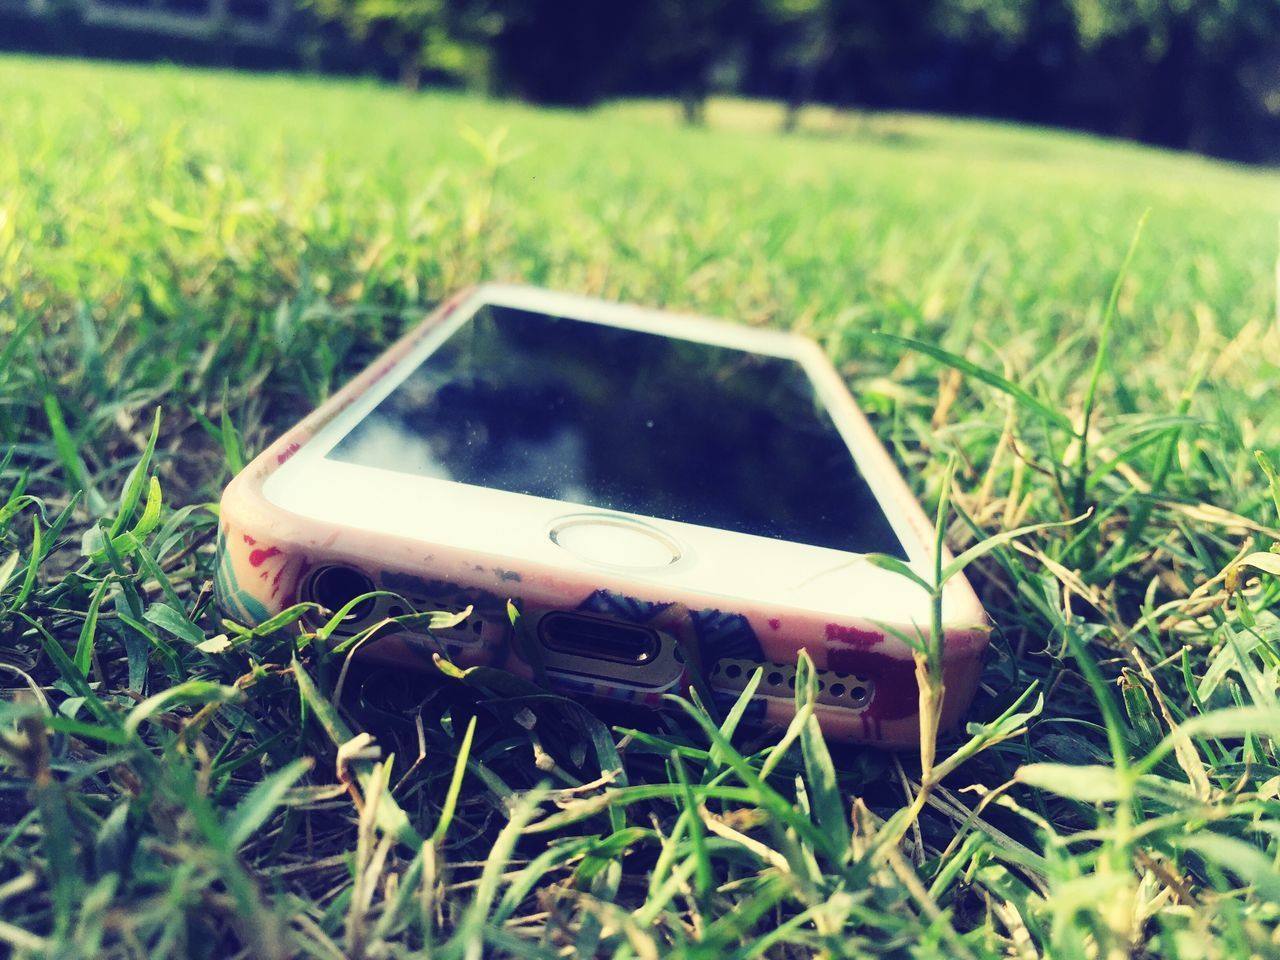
x: 666, y: 500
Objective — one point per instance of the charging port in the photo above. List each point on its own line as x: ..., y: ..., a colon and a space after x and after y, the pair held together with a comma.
x: 596, y: 638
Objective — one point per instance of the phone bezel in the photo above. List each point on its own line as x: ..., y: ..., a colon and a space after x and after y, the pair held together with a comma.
x: 712, y: 563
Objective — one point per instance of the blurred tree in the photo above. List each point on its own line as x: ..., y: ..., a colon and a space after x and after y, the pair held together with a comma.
x: 683, y: 39
x: 804, y: 32
x: 1181, y: 64
x: 1184, y: 60
x: 1198, y: 74
x: 448, y: 36
x: 568, y: 52
x: 1007, y: 19
x: 844, y: 50
x: 1019, y: 57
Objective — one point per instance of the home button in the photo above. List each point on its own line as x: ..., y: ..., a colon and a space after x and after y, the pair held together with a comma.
x: 612, y: 541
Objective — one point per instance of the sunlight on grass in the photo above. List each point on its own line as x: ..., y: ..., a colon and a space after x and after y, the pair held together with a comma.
x: 226, y: 249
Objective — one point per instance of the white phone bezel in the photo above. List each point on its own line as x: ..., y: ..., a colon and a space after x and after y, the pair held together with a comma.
x: 712, y: 562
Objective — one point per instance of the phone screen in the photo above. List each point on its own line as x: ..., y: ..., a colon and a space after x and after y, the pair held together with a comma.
x: 630, y: 421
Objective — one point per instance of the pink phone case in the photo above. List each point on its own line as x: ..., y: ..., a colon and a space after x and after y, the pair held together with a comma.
x: 266, y: 554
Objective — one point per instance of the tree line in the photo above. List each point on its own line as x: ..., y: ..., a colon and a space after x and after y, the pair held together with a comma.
x: 1191, y: 74
x: 1196, y: 74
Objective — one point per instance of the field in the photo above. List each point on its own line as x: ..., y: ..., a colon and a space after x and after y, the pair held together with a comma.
x: 215, y: 253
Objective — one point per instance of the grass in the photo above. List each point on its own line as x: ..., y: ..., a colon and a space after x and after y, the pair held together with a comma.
x: 206, y: 256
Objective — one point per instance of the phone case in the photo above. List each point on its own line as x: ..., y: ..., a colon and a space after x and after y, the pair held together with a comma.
x: 867, y: 674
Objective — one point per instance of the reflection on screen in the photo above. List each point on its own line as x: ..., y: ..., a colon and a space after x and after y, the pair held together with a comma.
x: 630, y: 421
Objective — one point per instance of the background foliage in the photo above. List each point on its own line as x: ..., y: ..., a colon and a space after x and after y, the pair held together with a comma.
x: 1202, y: 75
x: 189, y: 261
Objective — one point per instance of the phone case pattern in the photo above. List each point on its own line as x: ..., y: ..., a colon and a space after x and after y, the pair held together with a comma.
x: 266, y: 554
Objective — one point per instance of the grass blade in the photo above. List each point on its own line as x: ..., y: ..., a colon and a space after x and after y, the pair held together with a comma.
x: 455, y: 785
x: 1020, y: 394
x: 262, y: 801
x: 1100, y: 359
x: 84, y: 648
x: 137, y: 479
x: 69, y: 454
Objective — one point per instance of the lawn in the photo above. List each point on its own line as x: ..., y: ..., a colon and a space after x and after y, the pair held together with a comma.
x: 215, y: 253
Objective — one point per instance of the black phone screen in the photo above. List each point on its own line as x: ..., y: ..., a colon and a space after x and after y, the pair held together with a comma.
x: 630, y: 421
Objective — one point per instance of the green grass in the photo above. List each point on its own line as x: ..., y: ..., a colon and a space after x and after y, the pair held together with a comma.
x: 227, y: 249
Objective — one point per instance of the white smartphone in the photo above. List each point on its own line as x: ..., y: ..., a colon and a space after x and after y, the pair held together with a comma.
x: 663, y: 497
